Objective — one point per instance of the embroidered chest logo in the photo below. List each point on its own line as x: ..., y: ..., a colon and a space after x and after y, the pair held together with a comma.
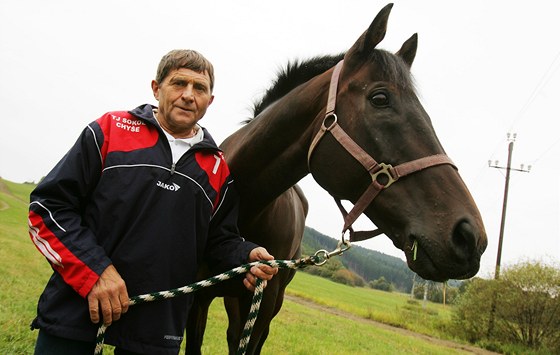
x: 128, y: 124
x: 170, y: 187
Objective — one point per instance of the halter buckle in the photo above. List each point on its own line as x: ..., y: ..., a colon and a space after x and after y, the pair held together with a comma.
x: 386, y: 171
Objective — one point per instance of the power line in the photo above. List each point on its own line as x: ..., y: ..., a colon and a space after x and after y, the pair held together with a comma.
x: 542, y: 82
x: 552, y: 68
x: 546, y: 151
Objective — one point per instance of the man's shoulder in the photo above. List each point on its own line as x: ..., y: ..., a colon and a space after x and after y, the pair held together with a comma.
x: 124, y: 131
x: 115, y: 115
x: 144, y: 111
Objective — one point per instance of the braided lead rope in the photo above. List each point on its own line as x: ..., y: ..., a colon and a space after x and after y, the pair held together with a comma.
x: 251, y: 318
x: 318, y: 259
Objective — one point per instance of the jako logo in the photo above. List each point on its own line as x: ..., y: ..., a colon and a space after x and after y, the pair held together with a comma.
x: 173, y: 187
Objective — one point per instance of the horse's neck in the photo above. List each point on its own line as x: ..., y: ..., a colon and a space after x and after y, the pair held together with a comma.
x: 269, y: 155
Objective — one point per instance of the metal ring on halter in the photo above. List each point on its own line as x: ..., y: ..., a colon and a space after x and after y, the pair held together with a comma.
x: 385, y: 170
x: 342, y: 246
x: 323, y: 255
x: 334, y: 122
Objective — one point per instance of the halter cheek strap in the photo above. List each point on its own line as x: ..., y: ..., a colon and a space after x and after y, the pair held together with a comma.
x: 376, y: 170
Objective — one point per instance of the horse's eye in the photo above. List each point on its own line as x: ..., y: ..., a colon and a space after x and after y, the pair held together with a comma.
x: 379, y: 99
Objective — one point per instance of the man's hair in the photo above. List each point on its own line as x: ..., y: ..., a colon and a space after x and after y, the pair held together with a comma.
x: 184, y: 58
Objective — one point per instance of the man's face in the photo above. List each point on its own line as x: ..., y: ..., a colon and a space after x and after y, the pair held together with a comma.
x: 184, y: 95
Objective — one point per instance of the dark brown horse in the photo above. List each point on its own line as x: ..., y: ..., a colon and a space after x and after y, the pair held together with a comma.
x: 375, y: 116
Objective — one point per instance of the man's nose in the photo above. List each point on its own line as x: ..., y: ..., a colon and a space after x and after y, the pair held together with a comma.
x: 188, y: 93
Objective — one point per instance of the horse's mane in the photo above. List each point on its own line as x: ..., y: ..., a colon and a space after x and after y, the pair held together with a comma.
x: 298, y: 72
x: 294, y: 74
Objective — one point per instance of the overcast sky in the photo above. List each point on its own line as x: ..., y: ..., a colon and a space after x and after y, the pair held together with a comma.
x: 483, y: 69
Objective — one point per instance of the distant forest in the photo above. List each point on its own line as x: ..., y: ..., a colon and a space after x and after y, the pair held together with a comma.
x: 369, y: 264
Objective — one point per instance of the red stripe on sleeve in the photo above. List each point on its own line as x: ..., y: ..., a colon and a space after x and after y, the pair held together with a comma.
x: 74, y: 272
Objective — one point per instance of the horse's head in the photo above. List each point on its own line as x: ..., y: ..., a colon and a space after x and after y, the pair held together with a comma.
x: 429, y: 214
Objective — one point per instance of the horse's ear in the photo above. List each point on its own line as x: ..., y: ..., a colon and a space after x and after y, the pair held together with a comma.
x: 408, y: 50
x: 373, y: 35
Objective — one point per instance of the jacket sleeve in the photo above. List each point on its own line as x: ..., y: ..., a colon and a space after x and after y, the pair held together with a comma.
x: 55, y: 214
x: 226, y: 248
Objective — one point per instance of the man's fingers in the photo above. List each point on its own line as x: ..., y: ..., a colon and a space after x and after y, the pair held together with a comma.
x: 108, y: 298
x: 250, y: 277
x: 116, y: 309
x: 98, y: 308
x: 110, y: 309
x: 262, y: 254
x: 124, y: 302
x: 264, y: 272
x: 250, y: 282
x: 259, y: 253
x: 93, y: 305
x: 106, y: 311
x: 248, y: 285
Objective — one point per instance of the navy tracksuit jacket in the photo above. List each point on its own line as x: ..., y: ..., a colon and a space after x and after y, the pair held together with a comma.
x: 116, y: 197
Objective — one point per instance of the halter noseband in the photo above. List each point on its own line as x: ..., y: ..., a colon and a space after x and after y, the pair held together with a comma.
x: 375, y: 169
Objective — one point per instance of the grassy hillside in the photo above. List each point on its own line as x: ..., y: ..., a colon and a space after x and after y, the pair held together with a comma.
x: 298, y: 329
x: 23, y: 272
x: 369, y: 264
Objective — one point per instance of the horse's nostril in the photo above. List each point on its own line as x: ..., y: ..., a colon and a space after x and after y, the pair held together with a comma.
x: 464, y: 240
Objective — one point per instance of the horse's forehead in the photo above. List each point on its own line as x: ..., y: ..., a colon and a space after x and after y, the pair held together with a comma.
x: 367, y: 74
x: 383, y: 66
x: 369, y: 78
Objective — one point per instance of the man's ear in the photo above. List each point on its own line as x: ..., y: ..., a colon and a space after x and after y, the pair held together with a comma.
x: 155, y: 89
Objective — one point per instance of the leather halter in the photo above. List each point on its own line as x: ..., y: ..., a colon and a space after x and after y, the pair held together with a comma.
x: 391, y: 174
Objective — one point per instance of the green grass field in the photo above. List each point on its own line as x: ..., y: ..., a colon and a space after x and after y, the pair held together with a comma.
x: 391, y: 308
x: 302, y: 330
x: 23, y: 272
x: 296, y: 330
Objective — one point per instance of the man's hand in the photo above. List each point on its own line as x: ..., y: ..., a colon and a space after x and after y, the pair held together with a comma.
x: 263, y: 272
x: 108, y: 297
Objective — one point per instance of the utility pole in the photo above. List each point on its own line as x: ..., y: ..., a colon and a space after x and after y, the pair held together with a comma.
x: 508, y: 168
x: 511, y: 140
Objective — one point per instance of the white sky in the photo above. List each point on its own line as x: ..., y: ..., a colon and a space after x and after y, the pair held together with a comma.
x: 483, y: 68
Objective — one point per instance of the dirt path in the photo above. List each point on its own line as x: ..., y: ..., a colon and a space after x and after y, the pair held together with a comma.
x: 340, y: 313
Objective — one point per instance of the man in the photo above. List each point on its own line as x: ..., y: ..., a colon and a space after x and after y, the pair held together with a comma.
x: 139, y: 201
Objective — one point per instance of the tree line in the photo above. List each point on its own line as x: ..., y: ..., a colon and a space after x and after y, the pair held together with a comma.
x: 359, y: 264
x: 518, y: 313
